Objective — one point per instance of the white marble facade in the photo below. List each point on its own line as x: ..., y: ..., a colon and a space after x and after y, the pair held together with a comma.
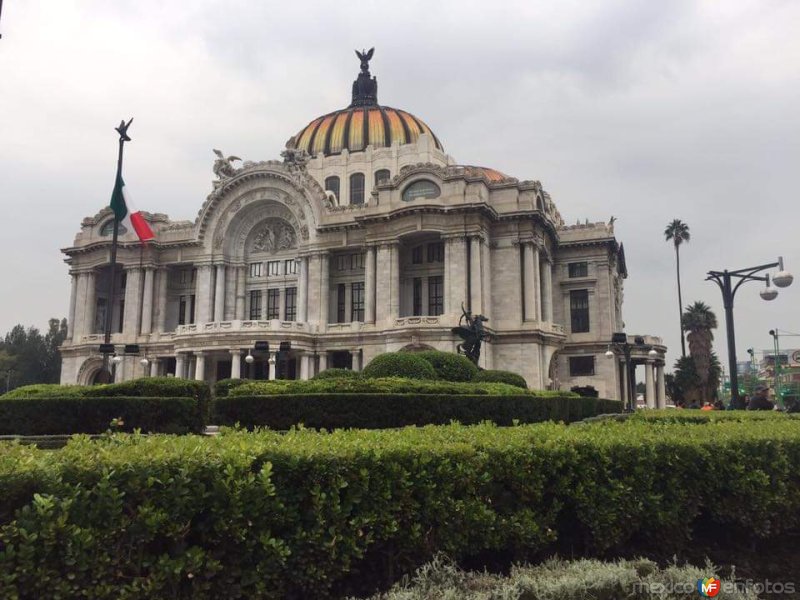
x: 273, y: 257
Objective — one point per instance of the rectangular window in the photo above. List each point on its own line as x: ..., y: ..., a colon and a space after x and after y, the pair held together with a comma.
x: 340, y: 303
x: 416, y: 255
x: 341, y: 262
x: 182, y: 308
x: 290, y: 306
x: 273, y: 303
x: 436, y: 252
x: 417, y: 308
x: 435, y: 295
x: 578, y: 269
x: 579, y: 310
x: 357, y: 300
x: 581, y: 366
x: 191, y: 308
x: 290, y: 267
x: 356, y: 261
x: 121, y: 315
x: 256, y: 269
x: 255, y: 305
x: 273, y: 268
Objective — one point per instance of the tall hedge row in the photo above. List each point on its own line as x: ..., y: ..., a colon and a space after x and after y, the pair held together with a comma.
x: 152, y: 404
x: 386, y: 410
x: 309, y: 515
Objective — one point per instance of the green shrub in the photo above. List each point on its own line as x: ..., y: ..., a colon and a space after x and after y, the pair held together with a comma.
x: 385, y: 410
x: 86, y: 409
x: 307, y: 515
x: 387, y: 385
x: 74, y: 414
x: 224, y: 386
x: 337, y: 374
x: 399, y: 364
x: 558, y: 580
x: 498, y: 376
x: 449, y: 366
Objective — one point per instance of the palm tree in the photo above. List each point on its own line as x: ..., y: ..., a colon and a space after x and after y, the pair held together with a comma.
x: 700, y: 321
x: 678, y: 232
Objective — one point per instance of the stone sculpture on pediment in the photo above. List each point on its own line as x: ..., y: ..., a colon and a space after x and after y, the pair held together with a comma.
x: 274, y: 235
x: 223, y: 166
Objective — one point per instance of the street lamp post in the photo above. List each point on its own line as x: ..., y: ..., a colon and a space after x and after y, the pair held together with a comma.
x: 777, y: 364
x: 724, y: 280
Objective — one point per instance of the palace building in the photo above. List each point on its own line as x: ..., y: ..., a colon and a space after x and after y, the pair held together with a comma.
x: 366, y: 237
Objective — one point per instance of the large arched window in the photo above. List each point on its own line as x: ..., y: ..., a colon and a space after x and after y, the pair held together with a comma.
x: 332, y: 185
x: 108, y: 228
x: 423, y: 188
x: 357, y: 188
x: 382, y: 175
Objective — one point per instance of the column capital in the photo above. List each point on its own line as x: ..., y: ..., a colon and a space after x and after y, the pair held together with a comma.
x: 235, y: 351
x: 132, y: 267
x: 199, y: 353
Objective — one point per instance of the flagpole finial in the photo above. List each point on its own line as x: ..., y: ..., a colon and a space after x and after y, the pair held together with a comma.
x: 123, y: 130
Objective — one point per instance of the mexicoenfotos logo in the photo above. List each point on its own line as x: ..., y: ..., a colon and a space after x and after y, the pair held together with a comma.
x: 708, y: 587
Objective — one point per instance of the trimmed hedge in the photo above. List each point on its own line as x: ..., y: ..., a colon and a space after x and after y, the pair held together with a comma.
x: 337, y: 374
x: 449, y: 366
x: 387, y: 385
x: 223, y: 387
x: 498, y: 376
x: 399, y: 364
x: 383, y: 411
x: 308, y: 515
x: 152, y: 404
x: 74, y: 414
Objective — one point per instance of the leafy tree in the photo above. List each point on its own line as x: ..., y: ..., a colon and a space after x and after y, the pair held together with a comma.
x: 687, y: 385
x: 678, y: 232
x: 27, y: 356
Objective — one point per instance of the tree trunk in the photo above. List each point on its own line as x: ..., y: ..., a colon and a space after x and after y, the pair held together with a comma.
x: 680, y: 300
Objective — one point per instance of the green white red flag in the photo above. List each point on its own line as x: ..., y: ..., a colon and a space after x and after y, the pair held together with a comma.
x: 126, y: 212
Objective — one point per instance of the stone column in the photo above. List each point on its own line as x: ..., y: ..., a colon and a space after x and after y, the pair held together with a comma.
x: 475, y: 280
x: 486, y: 282
x: 133, y: 301
x: 271, y: 363
x: 241, y: 274
x: 369, y: 285
x: 537, y: 282
x: 147, y: 301
x: 219, y: 294
x: 650, y: 388
x: 302, y: 289
x: 162, y: 281
x: 455, y: 268
x: 180, y: 365
x: 91, y: 303
x: 625, y: 379
x: 154, y: 367
x: 73, y: 295
x: 305, y: 364
x: 383, y: 285
x: 356, y: 357
x: 236, y: 364
x: 661, y: 388
x: 394, y: 282
x: 203, y: 294
x: 547, y: 290
x: 323, y: 362
x: 529, y: 281
x: 324, y: 290
x: 79, y: 327
x: 200, y: 366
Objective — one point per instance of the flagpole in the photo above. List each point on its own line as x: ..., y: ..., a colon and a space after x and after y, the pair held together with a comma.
x: 123, y: 137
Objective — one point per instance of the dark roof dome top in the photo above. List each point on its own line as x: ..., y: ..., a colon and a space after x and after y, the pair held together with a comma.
x: 363, y: 123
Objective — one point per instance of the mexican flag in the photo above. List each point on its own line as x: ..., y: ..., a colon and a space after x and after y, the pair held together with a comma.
x: 126, y: 212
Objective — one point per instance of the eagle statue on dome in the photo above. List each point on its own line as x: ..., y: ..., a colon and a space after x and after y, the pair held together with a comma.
x: 223, y: 166
x: 365, y: 87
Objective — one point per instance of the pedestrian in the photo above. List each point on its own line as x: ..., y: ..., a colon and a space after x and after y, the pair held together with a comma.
x: 759, y: 401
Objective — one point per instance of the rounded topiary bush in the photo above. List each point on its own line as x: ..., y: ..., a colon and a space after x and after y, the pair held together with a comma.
x: 449, y: 366
x: 337, y: 374
x: 498, y: 376
x: 399, y: 364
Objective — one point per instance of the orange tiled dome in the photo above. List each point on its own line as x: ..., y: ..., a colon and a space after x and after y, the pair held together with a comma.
x: 357, y: 127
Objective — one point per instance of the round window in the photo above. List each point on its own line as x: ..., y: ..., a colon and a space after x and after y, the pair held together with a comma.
x: 421, y: 189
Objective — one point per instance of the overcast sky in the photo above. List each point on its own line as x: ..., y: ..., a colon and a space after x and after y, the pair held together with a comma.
x: 648, y: 111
